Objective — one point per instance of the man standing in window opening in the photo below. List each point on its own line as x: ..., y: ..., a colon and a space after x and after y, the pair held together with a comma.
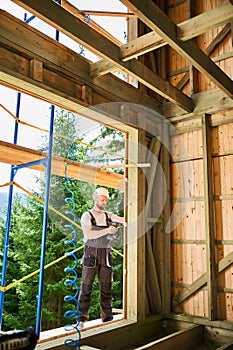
x: 99, y: 230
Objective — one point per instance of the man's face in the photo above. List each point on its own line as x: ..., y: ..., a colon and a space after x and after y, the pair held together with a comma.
x: 100, y: 202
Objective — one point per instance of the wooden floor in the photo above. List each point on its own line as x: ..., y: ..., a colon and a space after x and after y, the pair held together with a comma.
x: 59, y: 333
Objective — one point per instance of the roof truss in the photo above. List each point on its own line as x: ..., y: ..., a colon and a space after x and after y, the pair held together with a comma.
x: 79, y: 31
x: 122, y: 57
x: 187, y: 30
x: 159, y: 22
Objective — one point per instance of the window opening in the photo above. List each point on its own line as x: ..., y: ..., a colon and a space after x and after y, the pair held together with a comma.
x: 102, y: 151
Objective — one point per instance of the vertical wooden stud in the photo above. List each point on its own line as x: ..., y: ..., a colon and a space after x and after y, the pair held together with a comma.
x: 135, y: 292
x: 209, y: 217
x: 151, y: 271
x: 193, y: 73
x: 87, y: 95
x: 36, y: 70
x: 166, y: 217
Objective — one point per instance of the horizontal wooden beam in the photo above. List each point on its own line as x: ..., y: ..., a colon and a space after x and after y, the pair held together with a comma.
x: 149, y: 79
x: 158, y: 21
x: 55, y: 15
x: 18, y: 155
x: 187, y: 30
x: 141, y: 45
x: 66, y: 87
x: 191, y: 337
x: 17, y: 42
x: 210, y: 48
x: 225, y: 327
x: 211, y: 102
x: 108, y: 13
x: 201, y: 281
x: 206, y: 21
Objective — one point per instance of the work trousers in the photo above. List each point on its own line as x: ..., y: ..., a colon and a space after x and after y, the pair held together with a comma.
x: 96, y: 261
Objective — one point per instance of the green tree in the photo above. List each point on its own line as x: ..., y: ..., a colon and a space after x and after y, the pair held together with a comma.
x: 22, y: 259
x: 66, y: 196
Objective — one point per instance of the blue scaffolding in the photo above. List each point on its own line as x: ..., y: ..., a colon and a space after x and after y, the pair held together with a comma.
x: 47, y: 164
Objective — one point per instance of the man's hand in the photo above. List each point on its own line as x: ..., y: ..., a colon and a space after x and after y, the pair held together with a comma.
x: 112, y: 230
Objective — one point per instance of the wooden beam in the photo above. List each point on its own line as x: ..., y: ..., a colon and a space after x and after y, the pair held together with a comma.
x: 193, y: 73
x: 159, y: 22
x: 17, y: 155
x: 141, y: 238
x: 124, y: 331
x: 151, y: 272
x: 79, y: 31
x: 218, y: 39
x: 223, y: 326
x: 152, y: 158
x: 201, y: 281
x: 209, y: 217
x: 191, y: 337
x: 68, y: 86
x: 108, y: 13
x: 188, y: 29
x: 210, y: 48
x: 81, y: 15
x: 210, y: 102
x: 132, y: 33
x: 206, y: 21
x: 165, y: 158
x: 135, y: 234
x: 149, y: 79
x: 141, y: 46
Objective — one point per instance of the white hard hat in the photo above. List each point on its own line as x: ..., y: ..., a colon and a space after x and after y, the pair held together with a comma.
x: 101, y: 191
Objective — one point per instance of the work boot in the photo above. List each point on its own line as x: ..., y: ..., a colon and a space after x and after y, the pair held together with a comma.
x: 107, y: 319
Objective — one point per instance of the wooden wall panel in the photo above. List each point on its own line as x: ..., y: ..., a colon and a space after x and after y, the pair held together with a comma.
x: 187, y: 145
x: 226, y: 306
x: 196, y: 306
x: 178, y: 11
x: 192, y: 225
x: 223, y: 205
x: 222, y: 139
x: 188, y: 237
x: 224, y: 47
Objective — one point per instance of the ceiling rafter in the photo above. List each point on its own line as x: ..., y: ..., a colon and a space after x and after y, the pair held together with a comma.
x: 108, y: 13
x: 206, y: 21
x: 210, y: 48
x: 76, y: 29
x: 81, y: 15
x: 188, y: 29
x: 158, y: 21
x: 18, y: 49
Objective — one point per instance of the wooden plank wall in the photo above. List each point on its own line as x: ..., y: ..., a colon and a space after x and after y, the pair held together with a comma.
x: 223, y: 205
x: 189, y: 236
x: 189, y: 246
x: 221, y: 52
